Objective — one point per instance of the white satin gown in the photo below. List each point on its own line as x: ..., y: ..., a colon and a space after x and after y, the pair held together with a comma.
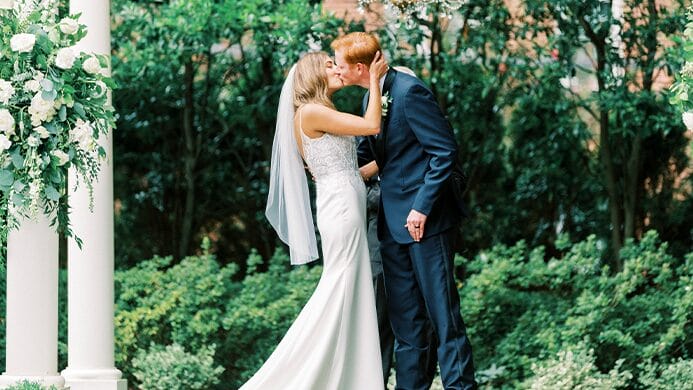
x: 333, y: 344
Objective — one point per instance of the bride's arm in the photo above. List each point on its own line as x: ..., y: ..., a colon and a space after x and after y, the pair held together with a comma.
x: 369, y: 170
x: 318, y: 118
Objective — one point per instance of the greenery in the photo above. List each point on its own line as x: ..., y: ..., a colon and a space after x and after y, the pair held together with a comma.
x: 575, y: 269
x: 172, y: 368
x: 576, y: 371
x: 28, y: 385
x: 561, y: 130
x: 525, y: 310
x: 682, y: 89
x: 195, y: 129
x: 195, y: 305
x: 53, y: 109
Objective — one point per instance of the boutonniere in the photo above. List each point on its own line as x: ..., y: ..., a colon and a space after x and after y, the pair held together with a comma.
x: 385, y: 101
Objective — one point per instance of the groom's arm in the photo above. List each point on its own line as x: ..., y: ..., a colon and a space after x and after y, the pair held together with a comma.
x: 364, y: 151
x: 433, y: 131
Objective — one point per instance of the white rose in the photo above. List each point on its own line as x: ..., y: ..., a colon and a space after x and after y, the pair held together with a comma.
x: 23, y: 43
x: 40, y: 110
x: 6, y: 91
x: 42, y: 132
x: 82, y: 134
x: 62, y: 157
x: 6, y: 122
x: 688, y: 119
x: 33, y: 141
x: 65, y: 58
x: 91, y: 65
x: 5, y: 143
x: 69, y: 26
x: 32, y: 86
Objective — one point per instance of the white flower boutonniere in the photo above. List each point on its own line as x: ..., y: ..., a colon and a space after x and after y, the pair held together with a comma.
x: 385, y: 101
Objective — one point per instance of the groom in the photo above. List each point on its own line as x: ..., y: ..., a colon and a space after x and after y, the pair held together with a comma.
x: 415, y: 152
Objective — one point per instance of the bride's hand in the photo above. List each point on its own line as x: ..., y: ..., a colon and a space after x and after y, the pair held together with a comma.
x: 379, y: 66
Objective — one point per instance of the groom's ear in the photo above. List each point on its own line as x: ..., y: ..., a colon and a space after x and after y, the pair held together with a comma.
x: 361, y: 68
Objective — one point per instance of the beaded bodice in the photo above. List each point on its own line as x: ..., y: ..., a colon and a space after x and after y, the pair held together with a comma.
x: 330, y: 156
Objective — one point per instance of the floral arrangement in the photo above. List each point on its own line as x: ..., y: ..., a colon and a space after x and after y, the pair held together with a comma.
x: 385, y: 101
x: 54, y: 106
x: 682, y: 89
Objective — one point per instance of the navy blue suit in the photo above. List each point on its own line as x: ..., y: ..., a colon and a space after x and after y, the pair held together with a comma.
x: 415, y: 152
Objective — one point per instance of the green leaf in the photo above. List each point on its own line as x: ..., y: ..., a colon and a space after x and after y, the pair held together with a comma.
x: 52, y: 193
x: 18, y: 186
x: 49, y: 95
x: 17, y: 159
x: 62, y: 114
x: 18, y: 200
x: 55, y: 176
x: 79, y: 109
x: 47, y: 85
x: 6, y: 178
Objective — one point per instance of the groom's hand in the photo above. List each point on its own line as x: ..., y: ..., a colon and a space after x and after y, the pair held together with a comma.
x: 415, y: 224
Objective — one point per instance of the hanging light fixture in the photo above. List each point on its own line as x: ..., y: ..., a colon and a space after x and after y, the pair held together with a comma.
x: 408, y: 8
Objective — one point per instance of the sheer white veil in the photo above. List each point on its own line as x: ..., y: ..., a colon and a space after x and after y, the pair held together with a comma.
x: 288, y: 201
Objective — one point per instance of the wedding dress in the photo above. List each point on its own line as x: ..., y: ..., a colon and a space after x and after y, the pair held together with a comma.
x: 333, y: 343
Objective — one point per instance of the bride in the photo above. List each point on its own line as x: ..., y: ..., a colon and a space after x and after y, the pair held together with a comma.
x: 333, y: 343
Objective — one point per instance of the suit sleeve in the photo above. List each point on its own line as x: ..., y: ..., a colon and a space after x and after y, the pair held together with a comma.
x: 363, y: 149
x: 433, y: 131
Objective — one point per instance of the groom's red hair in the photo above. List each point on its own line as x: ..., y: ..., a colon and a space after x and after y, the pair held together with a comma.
x: 357, y: 47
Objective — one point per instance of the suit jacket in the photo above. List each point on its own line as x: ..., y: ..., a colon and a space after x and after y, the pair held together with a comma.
x: 415, y: 151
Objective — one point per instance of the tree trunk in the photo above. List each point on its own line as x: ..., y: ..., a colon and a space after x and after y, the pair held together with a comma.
x: 605, y: 153
x: 631, y: 184
x: 189, y: 160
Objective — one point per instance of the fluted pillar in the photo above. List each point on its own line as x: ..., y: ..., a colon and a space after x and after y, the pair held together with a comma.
x: 32, y: 304
x: 90, y: 299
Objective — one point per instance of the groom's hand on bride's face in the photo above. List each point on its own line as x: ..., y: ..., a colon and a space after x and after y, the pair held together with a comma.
x: 416, y: 222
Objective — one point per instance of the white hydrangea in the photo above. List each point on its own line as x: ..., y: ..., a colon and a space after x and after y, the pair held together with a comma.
x: 82, y: 134
x: 41, y: 110
x: 62, y: 157
x: 68, y: 26
x: 42, y: 132
x: 91, y: 65
x: 34, y: 85
x: 5, y: 143
x: 33, y: 141
x: 65, y: 58
x: 6, y: 122
x: 6, y: 91
x: 23, y: 43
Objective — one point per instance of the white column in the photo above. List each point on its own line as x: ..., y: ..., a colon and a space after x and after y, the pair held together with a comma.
x: 32, y: 304
x: 90, y: 300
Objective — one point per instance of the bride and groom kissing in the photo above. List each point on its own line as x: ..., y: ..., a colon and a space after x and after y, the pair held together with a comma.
x: 334, y: 343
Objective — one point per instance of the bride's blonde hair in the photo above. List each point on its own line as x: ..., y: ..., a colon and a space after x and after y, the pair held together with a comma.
x: 310, y: 80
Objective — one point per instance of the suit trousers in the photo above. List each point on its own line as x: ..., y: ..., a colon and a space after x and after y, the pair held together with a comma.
x: 421, y: 291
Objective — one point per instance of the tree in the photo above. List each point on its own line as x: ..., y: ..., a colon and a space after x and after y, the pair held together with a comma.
x: 200, y: 83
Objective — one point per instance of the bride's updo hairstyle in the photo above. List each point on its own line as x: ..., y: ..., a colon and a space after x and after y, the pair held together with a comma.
x: 310, y: 80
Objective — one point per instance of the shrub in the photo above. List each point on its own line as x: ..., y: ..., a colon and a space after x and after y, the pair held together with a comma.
x: 195, y: 304
x: 27, y: 385
x: 524, y: 309
x: 677, y: 375
x: 162, y: 304
x: 575, y: 370
x: 172, y: 368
